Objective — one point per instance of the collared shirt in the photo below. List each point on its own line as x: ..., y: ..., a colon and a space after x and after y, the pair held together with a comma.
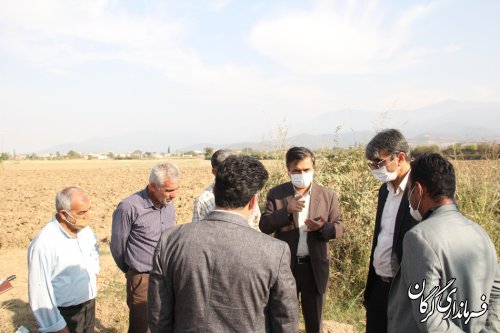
x: 62, y: 271
x: 205, y: 204
x: 300, y: 217
x: 382, y: 256
x: 136, y: 229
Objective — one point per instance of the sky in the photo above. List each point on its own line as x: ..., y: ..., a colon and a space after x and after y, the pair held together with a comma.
x: 226, y: 70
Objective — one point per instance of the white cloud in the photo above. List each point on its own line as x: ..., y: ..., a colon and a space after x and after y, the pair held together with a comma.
x: 333, y: 40
x: 57, y: 34
x: 218, y: 5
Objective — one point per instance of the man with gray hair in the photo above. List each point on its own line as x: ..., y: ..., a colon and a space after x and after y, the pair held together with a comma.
x: 388, y: 155
x: 138, y: 223
x: 63, y: 263
x: 205, y: 203
x: 220, y: 275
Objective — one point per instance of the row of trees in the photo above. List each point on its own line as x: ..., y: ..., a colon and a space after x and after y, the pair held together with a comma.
x: 258, y: 154
x: 457, y: 151
x: 71, y: 155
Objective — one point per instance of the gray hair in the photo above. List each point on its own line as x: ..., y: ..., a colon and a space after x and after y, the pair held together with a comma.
x: 219, y: 156
x: 65, y: 196
x: 162, y: 172
x: 390, y: 140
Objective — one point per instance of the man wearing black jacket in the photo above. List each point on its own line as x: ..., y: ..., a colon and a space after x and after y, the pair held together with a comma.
x: 388, y: 154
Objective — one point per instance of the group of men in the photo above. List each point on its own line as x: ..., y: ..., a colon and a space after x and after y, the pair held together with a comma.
x: 220, y: 274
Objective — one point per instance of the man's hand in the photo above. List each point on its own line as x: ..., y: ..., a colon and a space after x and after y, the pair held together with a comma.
x: 295, y: 205
x: 64, y: 330
x: 314, y: 225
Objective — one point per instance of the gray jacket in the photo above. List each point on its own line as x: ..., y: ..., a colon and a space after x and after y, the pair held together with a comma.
x: 443, y: 247
x: 220, y: 275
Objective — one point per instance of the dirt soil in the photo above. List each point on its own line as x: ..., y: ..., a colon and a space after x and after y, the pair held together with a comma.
x: 27, y: 194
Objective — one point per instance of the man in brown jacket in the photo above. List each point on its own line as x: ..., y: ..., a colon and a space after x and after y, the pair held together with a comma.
x: 306, y: 216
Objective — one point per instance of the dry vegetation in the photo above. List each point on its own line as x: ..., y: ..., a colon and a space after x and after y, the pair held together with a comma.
x: 27, y: 191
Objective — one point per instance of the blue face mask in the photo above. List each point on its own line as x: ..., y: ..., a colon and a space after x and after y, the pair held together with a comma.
x: 415, y: 213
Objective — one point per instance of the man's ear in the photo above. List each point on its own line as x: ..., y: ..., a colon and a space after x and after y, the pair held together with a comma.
x: 214, y: 172
x: 420, y: 189
x: 254, y: 201
x: 401, y: 157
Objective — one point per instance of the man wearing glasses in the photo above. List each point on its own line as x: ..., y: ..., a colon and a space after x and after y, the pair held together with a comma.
x: 388, y: 154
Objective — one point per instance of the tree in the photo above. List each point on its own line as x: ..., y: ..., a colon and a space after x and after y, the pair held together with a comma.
x: 208, y: 153
x: 73, y: 155
x: 136, y: 154
x: 419, y: 150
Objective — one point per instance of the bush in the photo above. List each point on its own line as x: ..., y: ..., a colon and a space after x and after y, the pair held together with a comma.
x: 345, y: 171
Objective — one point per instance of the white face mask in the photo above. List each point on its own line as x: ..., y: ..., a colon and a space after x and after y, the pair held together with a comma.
x: 383, y: 175
x: 301, y: 180
x: 415, y: 212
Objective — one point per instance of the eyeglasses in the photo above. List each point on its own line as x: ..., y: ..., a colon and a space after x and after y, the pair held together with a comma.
x: 377, y: 165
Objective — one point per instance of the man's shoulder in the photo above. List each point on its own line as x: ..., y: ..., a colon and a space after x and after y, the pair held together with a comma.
x: 87, y: 233
x: 284, y: 188
x: 447, y: 222
x: 175, y: 231
x: 431, y: 231
x: 267, y: 239
x: 132, y: 200
x: 323, y: 191
x: 45, y: 237
x: 205, y: 196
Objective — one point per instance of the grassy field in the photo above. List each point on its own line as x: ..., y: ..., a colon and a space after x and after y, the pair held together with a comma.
x: 27, y: 191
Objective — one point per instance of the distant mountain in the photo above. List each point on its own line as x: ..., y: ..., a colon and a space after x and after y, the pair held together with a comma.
x: 442, y: 123
x: 446, y: 117
x: 152, y: 141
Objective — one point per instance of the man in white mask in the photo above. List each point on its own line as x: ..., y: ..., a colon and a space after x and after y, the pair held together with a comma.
x: 306, y: 216
x: 388, y: 155
x: 449, y: 280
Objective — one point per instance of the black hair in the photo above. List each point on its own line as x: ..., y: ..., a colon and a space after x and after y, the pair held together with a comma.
x: 238, y: 179
x: 435, y: 173
x: 298, y: 154
x: 390, y: 140
x: 219, y: 156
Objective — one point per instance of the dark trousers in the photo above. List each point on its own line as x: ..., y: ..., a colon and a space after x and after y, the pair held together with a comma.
x: 376, y: 307
x: 310, y: 299
x: 137, y: 301
x: 79, y: 318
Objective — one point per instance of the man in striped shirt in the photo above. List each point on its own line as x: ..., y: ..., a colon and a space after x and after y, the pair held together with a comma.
x: 205, y: 203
